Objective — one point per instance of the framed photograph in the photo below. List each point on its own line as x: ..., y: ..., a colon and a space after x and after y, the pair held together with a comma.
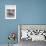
x: 31, y: 32
x: 10, y: 11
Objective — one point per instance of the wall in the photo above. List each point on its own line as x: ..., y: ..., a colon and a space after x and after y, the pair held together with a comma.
x: 27, y: 12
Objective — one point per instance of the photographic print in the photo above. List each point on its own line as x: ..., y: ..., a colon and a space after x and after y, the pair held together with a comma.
x: 28, y: 34
x: 10, y: 11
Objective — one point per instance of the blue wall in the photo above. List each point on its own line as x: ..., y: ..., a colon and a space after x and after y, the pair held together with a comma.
x: 27, y: 12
